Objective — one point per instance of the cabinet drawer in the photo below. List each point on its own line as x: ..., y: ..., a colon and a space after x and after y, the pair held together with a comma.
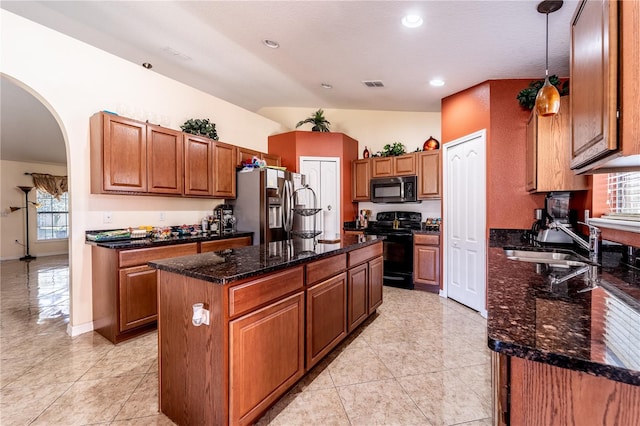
x: 433, y: 240
x: 250, y: 295
x: 325, y: 268
x: 363, y: 254
x: 229, y: 243
x: 142, y: 256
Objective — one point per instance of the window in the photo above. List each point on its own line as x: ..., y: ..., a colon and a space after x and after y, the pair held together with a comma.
x: 53, y: 216
x: 623, y: 195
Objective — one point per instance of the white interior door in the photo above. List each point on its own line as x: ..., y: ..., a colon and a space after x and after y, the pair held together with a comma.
x: 464, y: 215
x: 323, y: 176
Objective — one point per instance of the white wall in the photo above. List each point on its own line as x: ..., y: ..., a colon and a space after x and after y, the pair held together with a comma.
x: 373, y: 129
x: 74, y: 80
x: 12, y: 224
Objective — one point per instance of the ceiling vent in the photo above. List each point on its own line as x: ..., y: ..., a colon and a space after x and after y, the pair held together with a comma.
x: 373, y: 83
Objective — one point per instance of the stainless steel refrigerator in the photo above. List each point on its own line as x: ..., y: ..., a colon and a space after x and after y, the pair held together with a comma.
x: 264, y: 203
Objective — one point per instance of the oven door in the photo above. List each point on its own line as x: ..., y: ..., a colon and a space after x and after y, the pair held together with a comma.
x: 398, y: 260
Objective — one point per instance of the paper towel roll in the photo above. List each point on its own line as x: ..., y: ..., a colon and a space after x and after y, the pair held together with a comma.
x: 330, y: 230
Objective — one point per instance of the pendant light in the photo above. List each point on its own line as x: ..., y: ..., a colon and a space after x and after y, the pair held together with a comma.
x: 548, y: 97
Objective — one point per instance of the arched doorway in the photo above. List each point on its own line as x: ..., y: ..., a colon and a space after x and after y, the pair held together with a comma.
x: 33, y: 141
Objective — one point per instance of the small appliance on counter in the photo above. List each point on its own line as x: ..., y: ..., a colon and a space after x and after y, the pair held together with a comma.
x: 556, y: 209
x: 223, y: 215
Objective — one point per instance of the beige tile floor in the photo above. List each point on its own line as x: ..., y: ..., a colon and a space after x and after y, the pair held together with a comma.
x: 422, y: 360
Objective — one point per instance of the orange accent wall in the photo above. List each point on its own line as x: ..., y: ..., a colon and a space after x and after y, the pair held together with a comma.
x: 492, y: 105
x: 291, y: 146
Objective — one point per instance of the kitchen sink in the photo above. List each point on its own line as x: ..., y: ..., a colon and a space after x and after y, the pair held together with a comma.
x: 552, y: 257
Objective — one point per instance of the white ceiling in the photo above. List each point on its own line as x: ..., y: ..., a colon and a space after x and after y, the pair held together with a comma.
x: 216, y: 46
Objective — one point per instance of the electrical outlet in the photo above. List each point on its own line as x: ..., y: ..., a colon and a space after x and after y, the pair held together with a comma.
x: 107, y: 217
x: 162, y: 217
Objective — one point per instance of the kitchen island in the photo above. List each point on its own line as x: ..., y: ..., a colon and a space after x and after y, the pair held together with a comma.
x: 273, y: 312
x: 563, y: 355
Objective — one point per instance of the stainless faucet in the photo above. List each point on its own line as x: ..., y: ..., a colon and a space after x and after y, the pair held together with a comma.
x: 591, y: 276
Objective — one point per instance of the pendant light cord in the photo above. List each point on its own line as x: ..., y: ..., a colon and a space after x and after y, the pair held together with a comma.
x: 546, y: 70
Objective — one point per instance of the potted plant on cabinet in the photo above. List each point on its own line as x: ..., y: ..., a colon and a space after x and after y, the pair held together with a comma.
x: 320, y: 124
x: 200, y: 126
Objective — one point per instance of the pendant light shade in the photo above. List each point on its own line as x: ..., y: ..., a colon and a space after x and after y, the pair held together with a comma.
x: 548, y: 97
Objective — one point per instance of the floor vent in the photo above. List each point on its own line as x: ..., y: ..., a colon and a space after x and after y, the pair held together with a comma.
x: 373, y: 83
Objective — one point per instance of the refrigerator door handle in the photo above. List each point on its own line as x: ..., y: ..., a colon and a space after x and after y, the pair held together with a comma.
x: 286, y: 205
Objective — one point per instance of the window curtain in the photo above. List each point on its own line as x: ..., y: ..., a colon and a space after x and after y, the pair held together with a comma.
x: 54, y: 185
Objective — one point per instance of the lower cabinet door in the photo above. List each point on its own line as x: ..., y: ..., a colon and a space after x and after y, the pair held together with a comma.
x: 138, y: 298
x: 426, y: 265
x: 376, y: 273
x: 326, y: 317
x: 266, y: 357
x: 357, y: 308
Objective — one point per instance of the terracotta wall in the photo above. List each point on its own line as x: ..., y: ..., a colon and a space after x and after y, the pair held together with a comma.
x: 493, y: 106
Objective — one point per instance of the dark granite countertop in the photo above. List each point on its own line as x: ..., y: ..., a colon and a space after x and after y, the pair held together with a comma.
x: 244, y: 262
x: 596, y: 332
x: 151, y: 242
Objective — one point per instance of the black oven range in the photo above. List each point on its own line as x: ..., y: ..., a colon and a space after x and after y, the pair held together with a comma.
x: 397, y: 227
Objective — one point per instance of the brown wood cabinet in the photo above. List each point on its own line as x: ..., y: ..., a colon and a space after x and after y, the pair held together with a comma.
x: 246, y: 154
x: 532, y: 393
x: 271, y: 159
x: 429, y: 175
x: 326, y: 317
x: 124, y: 289
x: 266, y: 353
x: 376, y: 273
x: 358, y: 308
x: 402, y: 165
x: 224, y: 170
x: 361, y: 171
x: 165, y: 160
x: 198, y: 171
x: 118, y: 154
x: 548, y: 153
x: 426, y: 261
x: 605, y: 67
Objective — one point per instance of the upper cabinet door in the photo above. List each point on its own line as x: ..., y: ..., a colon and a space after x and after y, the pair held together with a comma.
x: 124, y: 154
x: 382, y: 166
x: 429, y: 175
x: 594, y: 74
x: 246, y: 155
x: 361, y: 178
x: 198, y: 165
x: 271, y: 159
x: 224, y: 170
x: 404, y: 165
x: 164, y: 160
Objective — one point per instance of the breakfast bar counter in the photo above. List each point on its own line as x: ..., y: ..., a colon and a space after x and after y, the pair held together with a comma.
x: 238, y: 328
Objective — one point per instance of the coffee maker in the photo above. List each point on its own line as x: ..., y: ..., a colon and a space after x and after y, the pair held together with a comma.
x: 223, y: 215
x: 556, y: 209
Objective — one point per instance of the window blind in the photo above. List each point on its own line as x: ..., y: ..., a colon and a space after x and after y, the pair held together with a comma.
x: 622, y: 334
x: 623, y: 195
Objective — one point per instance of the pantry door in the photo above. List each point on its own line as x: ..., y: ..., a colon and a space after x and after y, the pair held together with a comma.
x: 464, y: 217
x: 323, y: 176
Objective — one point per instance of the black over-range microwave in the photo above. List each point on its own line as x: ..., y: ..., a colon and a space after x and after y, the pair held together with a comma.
x: 400, y: 189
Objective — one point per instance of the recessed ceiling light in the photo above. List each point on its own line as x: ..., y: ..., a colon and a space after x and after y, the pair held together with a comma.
x: 412, y: 21
x: 271, y: 43
x: 326, y: 86
x: 437, y: 82
x: 147, y: 65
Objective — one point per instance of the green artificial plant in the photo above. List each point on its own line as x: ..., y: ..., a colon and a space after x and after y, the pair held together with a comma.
x: 320, y: 124
x: 200, y: 126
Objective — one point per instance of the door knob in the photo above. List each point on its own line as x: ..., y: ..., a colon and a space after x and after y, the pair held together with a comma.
x: 329, y: 207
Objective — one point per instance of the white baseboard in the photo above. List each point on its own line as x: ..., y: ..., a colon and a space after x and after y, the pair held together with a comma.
x: 442, y: 293
x: 77, y: 330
